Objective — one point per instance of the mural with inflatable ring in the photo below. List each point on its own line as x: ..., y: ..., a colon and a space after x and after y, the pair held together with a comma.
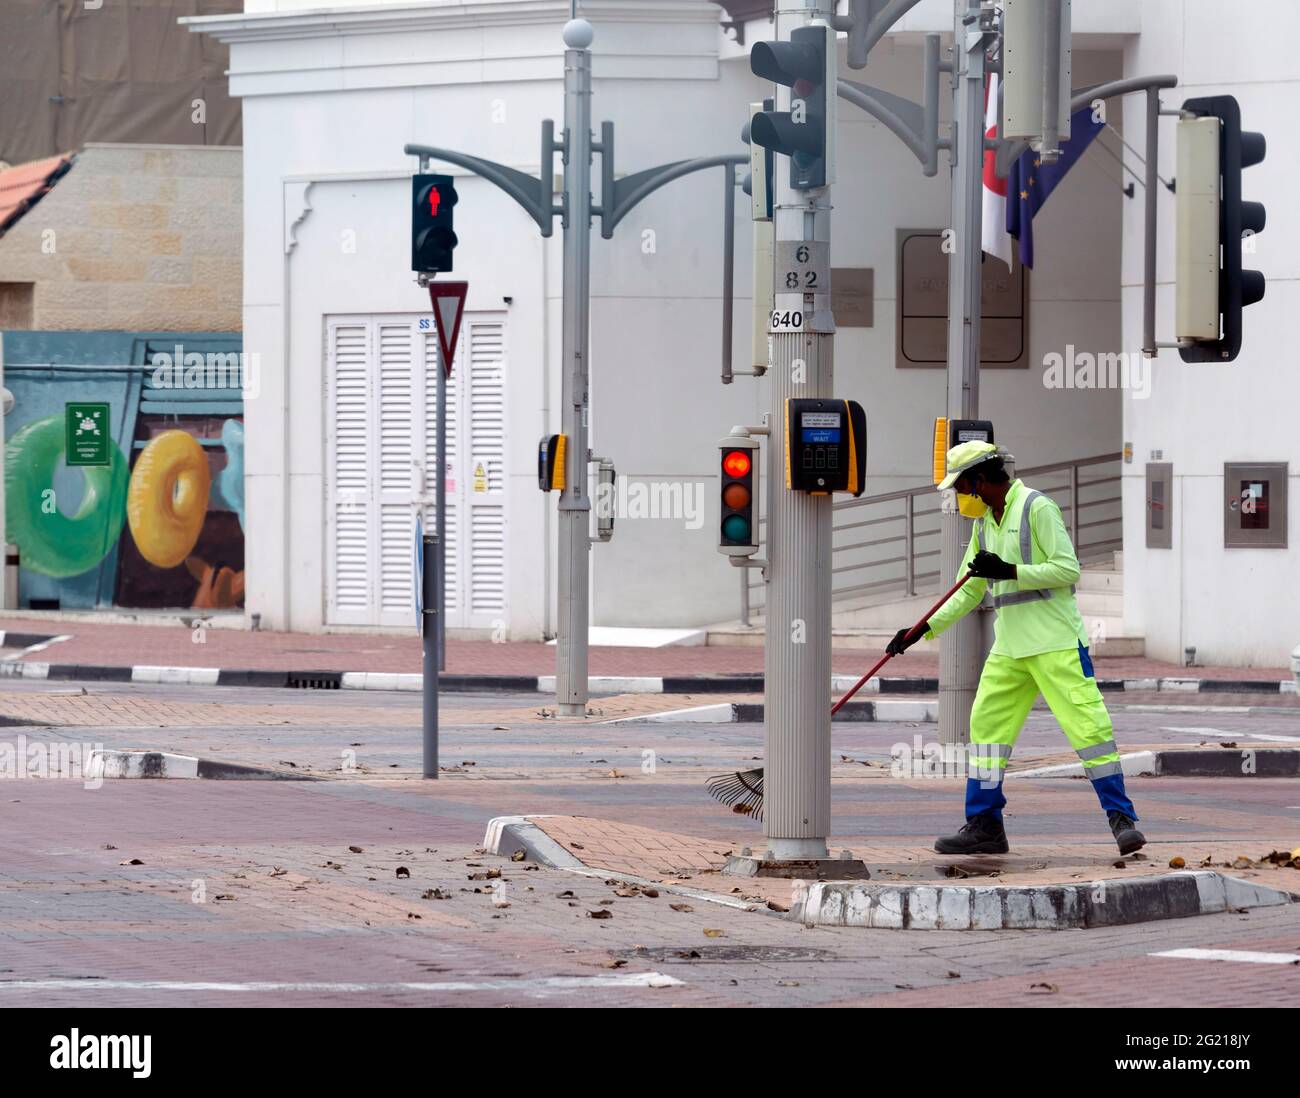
x: 165, y: 502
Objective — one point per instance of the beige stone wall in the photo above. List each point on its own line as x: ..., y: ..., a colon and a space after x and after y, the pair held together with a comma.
x: 135, y: 238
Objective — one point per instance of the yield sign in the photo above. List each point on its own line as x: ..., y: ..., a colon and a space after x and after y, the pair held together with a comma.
x: 448, y: 300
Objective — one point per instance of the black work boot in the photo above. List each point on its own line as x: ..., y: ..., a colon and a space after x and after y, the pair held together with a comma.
x: 1128, y: 837
x: 983, y: 834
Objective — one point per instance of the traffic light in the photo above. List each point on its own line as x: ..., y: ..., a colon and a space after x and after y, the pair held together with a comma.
x: 433, y: 199
x: 1203, y: 179
x: 806, y: 132
x: 758, y: 180
x: 738, y: 521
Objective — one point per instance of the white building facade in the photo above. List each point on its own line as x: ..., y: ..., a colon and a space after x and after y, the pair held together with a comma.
x: 340, y: 441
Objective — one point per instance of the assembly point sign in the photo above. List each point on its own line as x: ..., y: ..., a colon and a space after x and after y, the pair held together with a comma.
x: 87, y: 434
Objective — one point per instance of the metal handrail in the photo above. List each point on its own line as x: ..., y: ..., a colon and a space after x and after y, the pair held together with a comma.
x: 921, y: 522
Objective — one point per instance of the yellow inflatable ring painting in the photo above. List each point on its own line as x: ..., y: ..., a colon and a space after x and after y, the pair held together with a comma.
x: 167, y: 499
x: 49, y: 541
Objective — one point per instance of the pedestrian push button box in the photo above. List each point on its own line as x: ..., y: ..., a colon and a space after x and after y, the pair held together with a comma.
x: 550, y: 463
x: 825, y: 446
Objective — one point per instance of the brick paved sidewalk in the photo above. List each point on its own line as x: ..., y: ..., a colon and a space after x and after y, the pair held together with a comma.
x: 125, y: 645
x: 671, y: 859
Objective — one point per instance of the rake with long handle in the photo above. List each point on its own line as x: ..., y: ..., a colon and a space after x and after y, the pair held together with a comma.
x: 743, y: 790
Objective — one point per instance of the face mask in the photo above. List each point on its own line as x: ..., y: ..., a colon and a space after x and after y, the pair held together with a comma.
x: 971, y: 507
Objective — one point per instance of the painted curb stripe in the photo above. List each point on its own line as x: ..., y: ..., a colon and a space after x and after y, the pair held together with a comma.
x: 18, y: 667
x: 1242, y: 956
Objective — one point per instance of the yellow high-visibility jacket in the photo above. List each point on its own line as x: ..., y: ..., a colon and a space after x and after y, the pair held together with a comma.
x: 1036, y: 612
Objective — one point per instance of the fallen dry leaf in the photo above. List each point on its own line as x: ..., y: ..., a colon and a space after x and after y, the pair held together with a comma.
x: 681, y: 907
x: 403, y: 872
x: 131, y: 861
x: 1176, y: 863
x: 1043, y: 989
x: 603, y: 913
x: 518, y: 856
x: 712, y: 932
x: 356, y: 850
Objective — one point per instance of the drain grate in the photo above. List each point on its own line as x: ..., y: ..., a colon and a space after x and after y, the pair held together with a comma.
x: 315, y: 680
x: 717, y: 953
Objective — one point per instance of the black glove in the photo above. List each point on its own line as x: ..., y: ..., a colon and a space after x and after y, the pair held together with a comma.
x: 901, y: 642
x: 988, y: 565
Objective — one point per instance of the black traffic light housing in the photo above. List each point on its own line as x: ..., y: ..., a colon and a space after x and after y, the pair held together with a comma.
x: 805, y: 65
x: 738, y: 496
x: 1237, y: 287
x: 433, y: 239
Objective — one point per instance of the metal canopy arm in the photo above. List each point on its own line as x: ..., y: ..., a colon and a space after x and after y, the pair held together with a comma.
x: 618, y: 197
x: 532, y: 193
x: 871, y: 22
x: 915, y: 124
x: 1008, y: 152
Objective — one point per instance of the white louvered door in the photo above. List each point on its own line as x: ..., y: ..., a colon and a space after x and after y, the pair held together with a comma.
x: 381, y: 460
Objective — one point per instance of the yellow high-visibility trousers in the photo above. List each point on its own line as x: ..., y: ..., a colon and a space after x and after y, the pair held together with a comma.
x: 1007, y: 691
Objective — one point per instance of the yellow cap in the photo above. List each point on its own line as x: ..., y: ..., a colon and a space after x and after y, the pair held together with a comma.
x: 966, y: 456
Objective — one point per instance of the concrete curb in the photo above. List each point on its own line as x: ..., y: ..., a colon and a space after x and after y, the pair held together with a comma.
x: 1209, y: 762
x: 508, y: 834
x: 943, y: 907
x: 1028, y: 907
x: 540, y: 684
x: 114, y: 763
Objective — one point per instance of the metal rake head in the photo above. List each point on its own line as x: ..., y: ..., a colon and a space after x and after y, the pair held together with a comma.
x: 742, y: 792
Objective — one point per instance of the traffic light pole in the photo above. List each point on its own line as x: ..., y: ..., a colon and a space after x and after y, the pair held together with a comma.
x: 618, y: 197
x: 797, y: 652
x: 575, y: 506
x: 960, y: 645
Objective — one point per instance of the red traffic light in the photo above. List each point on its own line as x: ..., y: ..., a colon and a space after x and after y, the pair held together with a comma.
x: 736, y: 463
x: 434, y: 199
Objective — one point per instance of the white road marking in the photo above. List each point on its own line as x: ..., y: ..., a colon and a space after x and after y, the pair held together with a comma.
x: 553, y: 983
x: 1240, y: 955
x: 1199, y: 730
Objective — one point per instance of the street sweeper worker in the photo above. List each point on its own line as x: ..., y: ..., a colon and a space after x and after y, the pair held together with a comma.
x: 1020, y: 550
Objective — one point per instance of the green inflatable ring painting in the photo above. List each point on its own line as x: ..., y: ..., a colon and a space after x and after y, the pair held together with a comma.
x: 48, y: 540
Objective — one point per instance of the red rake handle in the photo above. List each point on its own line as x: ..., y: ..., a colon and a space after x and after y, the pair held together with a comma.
x: 887, y: 657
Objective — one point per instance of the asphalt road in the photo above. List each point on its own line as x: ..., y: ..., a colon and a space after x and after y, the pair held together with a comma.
x: 241, y: 893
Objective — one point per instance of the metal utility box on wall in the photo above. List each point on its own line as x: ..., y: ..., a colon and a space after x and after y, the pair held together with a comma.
x: 1159, y: 505
x: 1254, y: 505
x: 922, y: 309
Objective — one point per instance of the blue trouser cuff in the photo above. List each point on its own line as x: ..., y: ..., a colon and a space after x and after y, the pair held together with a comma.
x: 1110, y: 791
x: 984, y: 796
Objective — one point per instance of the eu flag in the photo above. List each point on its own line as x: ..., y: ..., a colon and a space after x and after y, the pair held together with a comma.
x: 1030, y: 181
